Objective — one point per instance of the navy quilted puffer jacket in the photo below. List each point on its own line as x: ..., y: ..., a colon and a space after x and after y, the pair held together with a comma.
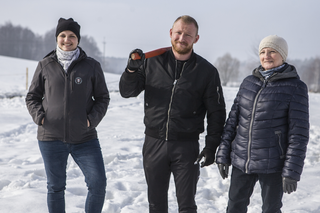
x: 267, y: 129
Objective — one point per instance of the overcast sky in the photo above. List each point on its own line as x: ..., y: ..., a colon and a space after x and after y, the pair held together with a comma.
x: 233, y: 26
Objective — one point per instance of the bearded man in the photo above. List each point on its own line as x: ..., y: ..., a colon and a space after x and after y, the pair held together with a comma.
x: 180, y: 89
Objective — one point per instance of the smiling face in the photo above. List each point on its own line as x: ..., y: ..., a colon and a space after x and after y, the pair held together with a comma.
x: 183, y: 36
x: 67, y: 40
x: 270, y: 58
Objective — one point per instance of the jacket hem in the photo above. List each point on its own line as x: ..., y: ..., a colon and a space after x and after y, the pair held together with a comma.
x: 178, y: 136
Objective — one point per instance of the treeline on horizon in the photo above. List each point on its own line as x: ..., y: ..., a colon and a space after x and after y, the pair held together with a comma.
x: 21, y: 42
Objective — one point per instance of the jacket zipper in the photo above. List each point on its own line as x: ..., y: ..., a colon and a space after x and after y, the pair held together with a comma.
x: 66, y: 108
x: 67, y: 92
x: 67, y: 78
x: 251, y: 124
x: 171, y: 98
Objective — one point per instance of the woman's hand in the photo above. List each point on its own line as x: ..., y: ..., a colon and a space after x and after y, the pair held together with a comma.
x: 88, y: 123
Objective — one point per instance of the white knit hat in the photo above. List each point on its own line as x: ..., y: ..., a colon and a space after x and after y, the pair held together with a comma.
x: 277, y: 43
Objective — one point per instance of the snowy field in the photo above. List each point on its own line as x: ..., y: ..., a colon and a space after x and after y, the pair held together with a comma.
x: 22, y: 175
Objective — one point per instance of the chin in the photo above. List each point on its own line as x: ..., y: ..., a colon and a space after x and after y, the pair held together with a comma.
x: 268, y: 67
x: 69, y: 49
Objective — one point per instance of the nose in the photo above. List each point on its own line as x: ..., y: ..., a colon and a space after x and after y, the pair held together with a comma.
x: 182, y: 37
x: 267, y: 54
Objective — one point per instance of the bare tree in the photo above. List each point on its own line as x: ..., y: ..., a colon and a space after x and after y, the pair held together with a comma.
x: 312, y: 74
x: 228, y: 68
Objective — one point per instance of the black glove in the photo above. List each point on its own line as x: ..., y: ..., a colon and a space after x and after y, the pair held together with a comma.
x: 289, y: 185
x: 208, y: 157
x: 134, y: 65
x: 224, y: 170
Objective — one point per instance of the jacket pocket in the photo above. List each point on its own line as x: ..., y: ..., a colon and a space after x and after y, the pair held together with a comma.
x: 279, y: 133
x: 218, y: 93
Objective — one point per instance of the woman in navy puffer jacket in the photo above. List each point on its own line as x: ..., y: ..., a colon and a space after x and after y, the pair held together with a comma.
x: 265, y: 137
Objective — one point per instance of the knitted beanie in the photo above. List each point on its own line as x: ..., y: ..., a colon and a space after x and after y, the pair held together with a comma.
x: 68, y: 24
x: 277, y: 43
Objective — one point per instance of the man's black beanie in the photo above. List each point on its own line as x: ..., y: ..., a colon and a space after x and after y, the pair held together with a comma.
x: 70, y: 24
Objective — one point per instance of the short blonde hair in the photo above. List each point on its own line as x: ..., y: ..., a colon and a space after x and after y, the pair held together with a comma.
x: 188, y: 20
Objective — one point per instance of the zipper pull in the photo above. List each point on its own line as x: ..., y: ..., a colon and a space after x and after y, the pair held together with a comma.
x: 175, y: 81
x: 264, y: 83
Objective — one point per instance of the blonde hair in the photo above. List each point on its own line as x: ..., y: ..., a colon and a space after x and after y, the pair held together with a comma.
x: 188, y: 20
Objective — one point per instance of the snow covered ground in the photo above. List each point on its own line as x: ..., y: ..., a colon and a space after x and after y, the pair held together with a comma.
x: 22, y: 175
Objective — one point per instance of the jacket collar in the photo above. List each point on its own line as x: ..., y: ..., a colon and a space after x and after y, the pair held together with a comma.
x: 192, y: 56
x: 288, y: 71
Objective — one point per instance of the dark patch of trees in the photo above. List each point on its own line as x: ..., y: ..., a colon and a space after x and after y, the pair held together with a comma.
x: 21, y: 42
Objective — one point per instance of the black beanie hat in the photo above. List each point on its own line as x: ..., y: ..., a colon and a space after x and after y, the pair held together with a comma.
x: 70, y: 24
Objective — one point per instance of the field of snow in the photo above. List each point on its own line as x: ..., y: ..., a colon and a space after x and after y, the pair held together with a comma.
x: 22, y: 175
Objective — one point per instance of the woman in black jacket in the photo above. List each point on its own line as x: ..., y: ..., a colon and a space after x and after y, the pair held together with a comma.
x: 67, y: 99
x: 265, y: 137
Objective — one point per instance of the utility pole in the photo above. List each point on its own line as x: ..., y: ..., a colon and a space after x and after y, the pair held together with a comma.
x: 27, y: 77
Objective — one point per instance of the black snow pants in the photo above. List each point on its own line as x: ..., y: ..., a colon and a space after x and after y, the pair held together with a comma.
x: 160, y: 159
x: 241, y: 189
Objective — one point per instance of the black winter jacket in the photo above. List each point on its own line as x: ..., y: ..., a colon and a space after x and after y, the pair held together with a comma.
x: 267, y: 130
x: 67, y: 100
x: 175, y: 109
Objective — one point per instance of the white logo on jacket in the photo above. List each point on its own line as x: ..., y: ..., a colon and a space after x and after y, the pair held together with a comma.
x: 78, y: 80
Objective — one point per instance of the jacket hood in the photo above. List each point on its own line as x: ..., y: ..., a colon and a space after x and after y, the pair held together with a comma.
x: 288, y: 71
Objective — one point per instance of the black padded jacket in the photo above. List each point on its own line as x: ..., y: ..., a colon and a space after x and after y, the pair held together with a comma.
x: 175, y: 107
x: 267, y: 130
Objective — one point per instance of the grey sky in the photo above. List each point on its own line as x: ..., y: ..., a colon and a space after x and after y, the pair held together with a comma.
x: 232, y: 26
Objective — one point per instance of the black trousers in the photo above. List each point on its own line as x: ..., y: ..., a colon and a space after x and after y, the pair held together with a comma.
x: 241, y: 188
x: 160, y: 159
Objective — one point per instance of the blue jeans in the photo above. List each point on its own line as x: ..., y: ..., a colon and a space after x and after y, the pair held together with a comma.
x: 241, y: 189
x: 88, y: 156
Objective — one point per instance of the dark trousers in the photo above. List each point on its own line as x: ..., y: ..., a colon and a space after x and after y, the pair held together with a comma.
x: 88, y: 156
x: 242, y: 186
x: 160, y: 159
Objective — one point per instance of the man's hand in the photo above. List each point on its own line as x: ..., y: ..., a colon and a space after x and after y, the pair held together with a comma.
x: 289, y: 185
x: 224, y: 170
x: 133, y: 65
x: 208, y: 158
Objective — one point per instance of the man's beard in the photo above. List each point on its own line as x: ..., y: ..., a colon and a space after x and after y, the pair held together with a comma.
x: 180, y: 50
